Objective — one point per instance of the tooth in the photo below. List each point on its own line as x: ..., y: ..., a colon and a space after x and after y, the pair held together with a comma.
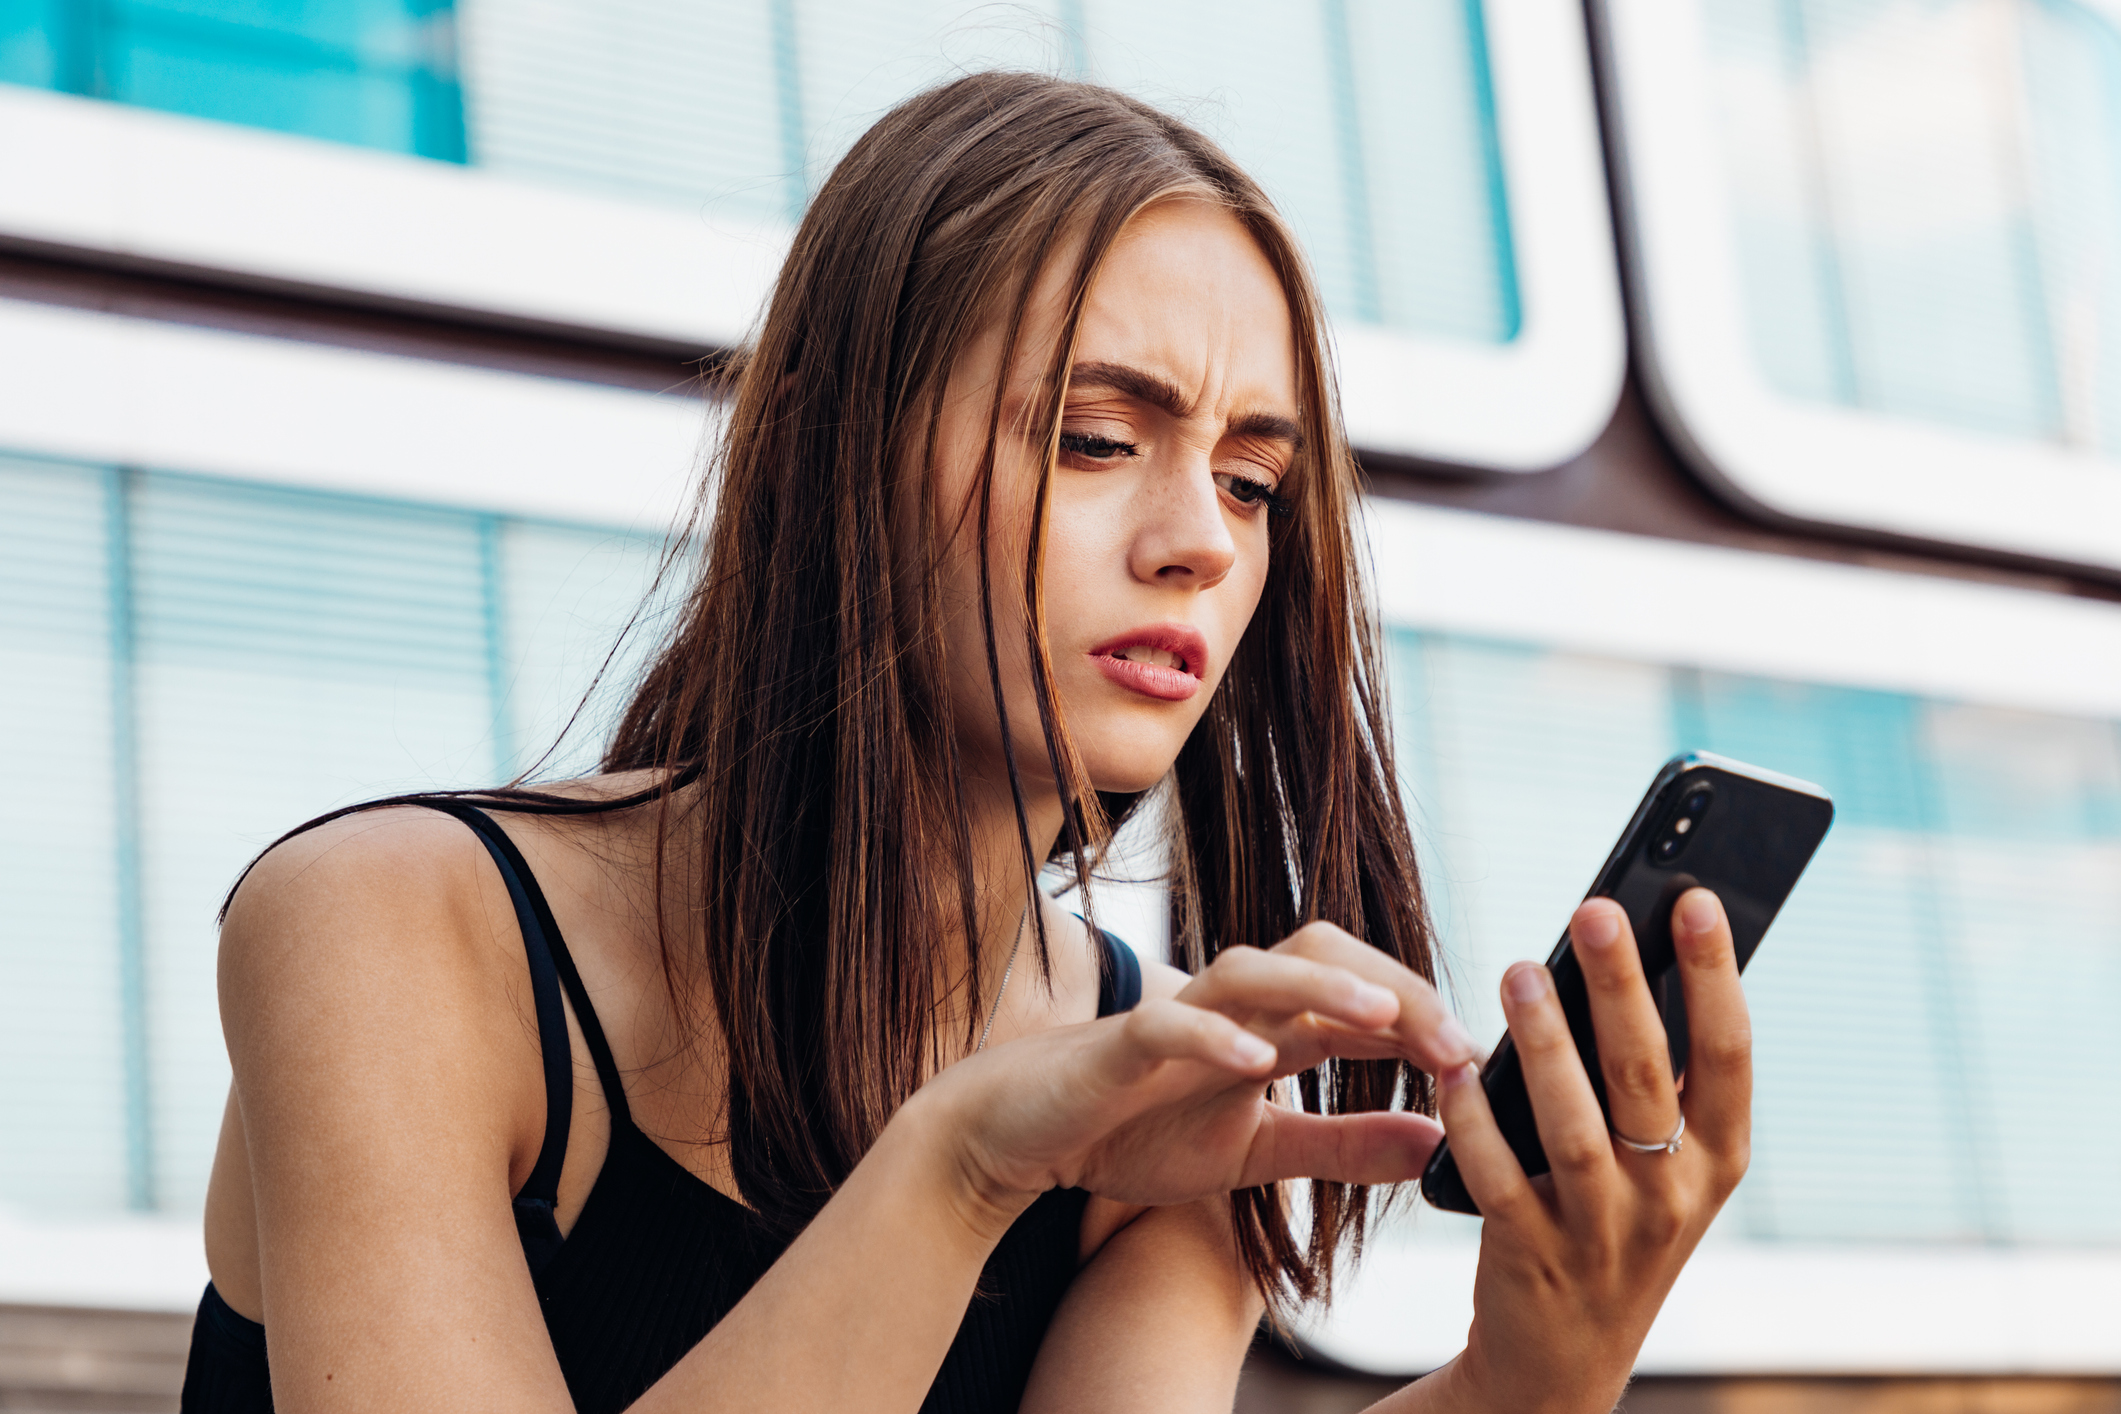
x: 1153, y: 657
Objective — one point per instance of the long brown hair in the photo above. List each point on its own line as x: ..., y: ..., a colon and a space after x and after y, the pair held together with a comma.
x: 798, y: 715
x: 804, y: 688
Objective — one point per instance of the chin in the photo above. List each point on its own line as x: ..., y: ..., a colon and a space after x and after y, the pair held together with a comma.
x: 1129, y: 767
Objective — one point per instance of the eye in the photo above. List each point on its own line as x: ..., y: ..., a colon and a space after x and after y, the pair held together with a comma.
x: 1248, y: 492
x: 1091, y: 447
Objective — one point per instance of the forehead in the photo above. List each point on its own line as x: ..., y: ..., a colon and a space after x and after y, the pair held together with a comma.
x: 1187, y: 293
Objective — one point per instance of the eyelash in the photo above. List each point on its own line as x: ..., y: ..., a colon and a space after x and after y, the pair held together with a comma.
x: 1084, y: 444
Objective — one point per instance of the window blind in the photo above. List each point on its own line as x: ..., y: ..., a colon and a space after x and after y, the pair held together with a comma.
x: 62, y: 1050
x: 1932, y: 1011
x: 569, y: 594
x: 671, y: 103
x: 297, y: 651
x: 1927, y: 200
x: 1371, y: 123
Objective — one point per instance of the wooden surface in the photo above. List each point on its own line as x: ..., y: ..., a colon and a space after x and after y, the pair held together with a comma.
x: 56, y: 1359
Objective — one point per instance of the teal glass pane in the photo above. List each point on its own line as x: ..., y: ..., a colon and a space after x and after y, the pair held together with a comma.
x: 1522, y: 764
x: 853, y: 59
x: 2030, y: 874
x: 63, y: 1115
x: 1266, y: 81
x: 1927, y: 203
x: 1431, y: 171
x: 1860, y: 745
x: 1371, y: 124
x: 29, y: 43
x: 1854, y: 980
x: 278, y: 653
x: 577, y: 629
x: 1933, y: 1011
x: 296, y: 652
x: 377, y: 73
x: 680, y: 104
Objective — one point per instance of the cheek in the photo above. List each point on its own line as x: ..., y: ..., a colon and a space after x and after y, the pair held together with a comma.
x: 1236, y: 599
x: 1085, y: 556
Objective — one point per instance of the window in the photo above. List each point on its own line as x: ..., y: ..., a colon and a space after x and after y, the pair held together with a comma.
x: 1943, y: 961
x: 377, y: 73
x: 341, y: 613
x: 1932, y: 1010
x: 1373, y: 124
x: 213, y: 662
x: 69, y: 944
x: 1877, y: 255
x: 1439, y: 158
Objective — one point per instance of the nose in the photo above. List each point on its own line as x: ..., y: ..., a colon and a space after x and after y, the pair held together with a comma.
x: 1183, y: 538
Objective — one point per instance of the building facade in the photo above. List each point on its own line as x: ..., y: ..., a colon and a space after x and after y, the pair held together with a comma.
x: 1732, y: 374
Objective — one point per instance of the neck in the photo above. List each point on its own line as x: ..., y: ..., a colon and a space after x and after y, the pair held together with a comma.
x: 1003, y: 899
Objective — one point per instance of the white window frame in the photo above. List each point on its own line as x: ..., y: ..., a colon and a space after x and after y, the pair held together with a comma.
x: 81, y: 174
x: 1782, y: 457
x: 1543, y: 397
x: 1744, y: 1307
x: 115, y: 390
x: 1740, y: 1307
x: 1760, y: 1308
x: 185, y: 193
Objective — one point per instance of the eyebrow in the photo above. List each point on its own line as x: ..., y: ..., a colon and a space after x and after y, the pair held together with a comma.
x: 1160, y: 392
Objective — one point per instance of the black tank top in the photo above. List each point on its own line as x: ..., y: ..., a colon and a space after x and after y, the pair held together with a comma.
x: 658, y: 1256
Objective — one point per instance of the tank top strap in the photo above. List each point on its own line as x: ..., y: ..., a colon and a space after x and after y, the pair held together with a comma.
x: 551, y: 969
x: 1119, y: 976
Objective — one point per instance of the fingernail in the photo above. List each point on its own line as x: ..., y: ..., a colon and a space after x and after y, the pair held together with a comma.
x: 1527, y: 984
x: 1251, y: 1052
x: 1458, y: 1076
x: 1371, y: 997
x: 1699, y: 910
x: 1597, y: 929
x: 1453, y: 1041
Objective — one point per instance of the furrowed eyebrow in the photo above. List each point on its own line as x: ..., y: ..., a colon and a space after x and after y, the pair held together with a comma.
x: 1160, y: 392
x: 1270, y: 425
x: 1137, y: 383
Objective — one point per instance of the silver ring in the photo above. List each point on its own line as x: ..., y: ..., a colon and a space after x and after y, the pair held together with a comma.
x: 1668, y: 1146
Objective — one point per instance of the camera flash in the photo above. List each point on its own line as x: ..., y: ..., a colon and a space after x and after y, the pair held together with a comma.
x: 1680, y: 827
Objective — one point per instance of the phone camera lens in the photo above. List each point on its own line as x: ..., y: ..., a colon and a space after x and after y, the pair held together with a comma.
x: 1697, y: 802
x: 1667, y: 847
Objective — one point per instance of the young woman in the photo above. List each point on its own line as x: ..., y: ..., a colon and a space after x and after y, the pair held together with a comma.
x: 756, y: 1073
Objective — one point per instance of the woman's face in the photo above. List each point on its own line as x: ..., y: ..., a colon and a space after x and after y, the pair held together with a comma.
x: 1179, y: 424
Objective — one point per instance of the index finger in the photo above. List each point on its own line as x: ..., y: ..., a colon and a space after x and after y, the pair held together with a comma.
x: 1718, y: 1099
x: 1433, y: 1038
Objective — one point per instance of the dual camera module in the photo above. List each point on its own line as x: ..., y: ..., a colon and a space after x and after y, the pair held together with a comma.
x: 1671, y: 841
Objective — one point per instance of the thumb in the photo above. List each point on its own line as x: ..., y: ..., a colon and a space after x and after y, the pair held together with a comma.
x: 1378, y: 1146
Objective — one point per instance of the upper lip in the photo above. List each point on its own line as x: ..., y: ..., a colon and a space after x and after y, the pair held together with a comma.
x: 1186, y: 642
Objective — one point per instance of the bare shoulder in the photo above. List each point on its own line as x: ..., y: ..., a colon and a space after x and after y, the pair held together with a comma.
x: 375, y: 1001
x: 387, y: 867
x: 393, y: 913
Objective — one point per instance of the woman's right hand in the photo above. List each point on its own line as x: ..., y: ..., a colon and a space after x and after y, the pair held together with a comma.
x: 1169, y: 1102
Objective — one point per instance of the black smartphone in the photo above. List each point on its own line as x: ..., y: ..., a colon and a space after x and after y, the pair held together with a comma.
x: 1738, y: 830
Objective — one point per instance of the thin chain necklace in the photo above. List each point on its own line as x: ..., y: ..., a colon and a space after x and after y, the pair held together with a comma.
x: 1007, y: 968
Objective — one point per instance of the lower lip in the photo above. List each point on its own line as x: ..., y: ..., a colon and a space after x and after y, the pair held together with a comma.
x: 1149, y: 679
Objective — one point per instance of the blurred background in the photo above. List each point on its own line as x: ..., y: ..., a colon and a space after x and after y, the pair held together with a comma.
x: 1730, y: 374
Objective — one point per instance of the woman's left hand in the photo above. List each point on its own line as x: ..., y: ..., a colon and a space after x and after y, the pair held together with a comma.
x: 1574, y: 1265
